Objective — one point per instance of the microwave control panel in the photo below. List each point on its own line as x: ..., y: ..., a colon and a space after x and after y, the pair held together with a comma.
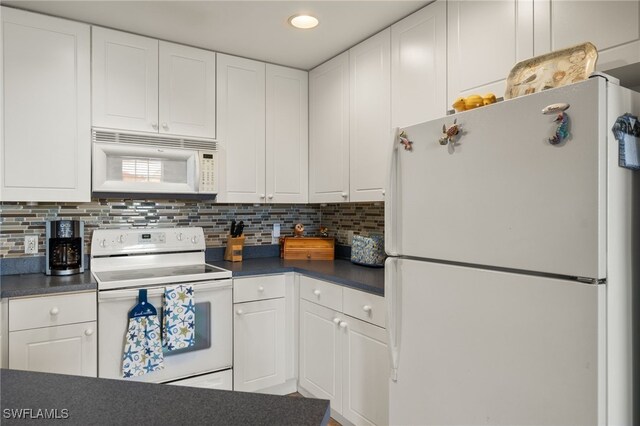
x: 208, y: 177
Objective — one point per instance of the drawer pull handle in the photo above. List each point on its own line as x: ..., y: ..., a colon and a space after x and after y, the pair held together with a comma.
x: 343, y: 324
x: 337, y: 321
x: 260, y: 289
x: 316, y: 292
x: 239, y: 312
x: 54, y: 311
x: 366, y: 308
x: 88, y: 332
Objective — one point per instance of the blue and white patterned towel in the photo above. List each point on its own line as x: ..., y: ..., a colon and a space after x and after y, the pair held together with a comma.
x: 142, y: 348
x: 179, y: 317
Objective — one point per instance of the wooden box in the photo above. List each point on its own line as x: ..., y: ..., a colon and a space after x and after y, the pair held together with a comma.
x: 307, y: 248
x: 233, y: 252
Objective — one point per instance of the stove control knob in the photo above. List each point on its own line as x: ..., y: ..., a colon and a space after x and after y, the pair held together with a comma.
x: 103, y: 243
x: 194, y: 239
x: 122, y: 238
x: 179, y: 236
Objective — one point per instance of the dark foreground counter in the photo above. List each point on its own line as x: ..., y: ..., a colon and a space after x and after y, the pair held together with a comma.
x: 92, y: 401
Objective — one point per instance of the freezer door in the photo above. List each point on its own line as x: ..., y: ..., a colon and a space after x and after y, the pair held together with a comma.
x: 503, y: 195
x: 484, y: 347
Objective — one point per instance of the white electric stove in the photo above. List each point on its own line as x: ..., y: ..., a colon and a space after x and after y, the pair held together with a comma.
x: 123, y: 261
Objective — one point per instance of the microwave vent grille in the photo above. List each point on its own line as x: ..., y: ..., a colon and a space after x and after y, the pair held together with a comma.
x: 107, y: 136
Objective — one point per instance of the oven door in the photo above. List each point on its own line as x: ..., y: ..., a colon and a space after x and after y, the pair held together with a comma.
x: 213, y: 348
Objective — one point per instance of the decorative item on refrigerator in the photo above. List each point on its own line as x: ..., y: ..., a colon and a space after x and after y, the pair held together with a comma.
x: 143, y: 347
x: 368, y: 251
x: 179, y: 319
x: 626, y: 129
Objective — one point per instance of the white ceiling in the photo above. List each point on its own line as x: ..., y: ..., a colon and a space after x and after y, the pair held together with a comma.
x: 254, y: 29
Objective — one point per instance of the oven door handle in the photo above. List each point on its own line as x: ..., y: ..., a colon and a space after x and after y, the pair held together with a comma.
x: 158, y: 291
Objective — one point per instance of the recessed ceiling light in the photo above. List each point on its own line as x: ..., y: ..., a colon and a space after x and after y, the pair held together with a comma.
x: 303, y: 21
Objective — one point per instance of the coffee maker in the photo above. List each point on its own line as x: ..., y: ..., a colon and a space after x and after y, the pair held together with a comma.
x: 65, y: 247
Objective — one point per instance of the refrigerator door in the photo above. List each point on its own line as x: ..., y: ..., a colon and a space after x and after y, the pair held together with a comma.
x: 503, y: 195
x: 484, y: 347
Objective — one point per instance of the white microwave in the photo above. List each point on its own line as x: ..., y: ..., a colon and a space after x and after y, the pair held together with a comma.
x: 130, y: 163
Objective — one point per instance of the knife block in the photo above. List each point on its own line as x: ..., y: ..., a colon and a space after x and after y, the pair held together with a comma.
x: 233, y: 252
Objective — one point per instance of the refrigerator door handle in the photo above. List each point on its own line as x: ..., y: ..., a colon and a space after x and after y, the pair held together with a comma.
x: 390, y: 199
x: 392, y: 295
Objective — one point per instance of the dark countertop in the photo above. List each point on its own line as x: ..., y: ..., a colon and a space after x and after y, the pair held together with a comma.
x: 339, y: 271
x: 36, y: 284
x: 118, y: 402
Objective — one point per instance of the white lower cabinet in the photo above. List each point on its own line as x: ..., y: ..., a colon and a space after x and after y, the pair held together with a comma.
x: 258, y: 334
x: 344, y: 359
x: 63, y: 349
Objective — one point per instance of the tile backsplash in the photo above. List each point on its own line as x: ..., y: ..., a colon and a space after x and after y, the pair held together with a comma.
x: 20, y: 219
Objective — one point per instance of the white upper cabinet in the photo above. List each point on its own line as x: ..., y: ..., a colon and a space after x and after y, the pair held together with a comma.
x: 241, y: 129
x: 287, y: 143
x: 485, y: 40
x: 187, y: 91
x: 329, y: 131
x: 46, y: 142
x: 612, y: 26
x: 144, y: 85
x: 369, y: 117
x: 125, y: 81
x: 419, y: 66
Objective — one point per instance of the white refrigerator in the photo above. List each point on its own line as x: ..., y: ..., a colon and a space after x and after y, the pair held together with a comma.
x: 512, y: 263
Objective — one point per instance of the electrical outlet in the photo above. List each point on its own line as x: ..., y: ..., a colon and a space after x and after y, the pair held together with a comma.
x: 31, y: 244
x: 275, y: 234
x: 349, y: 237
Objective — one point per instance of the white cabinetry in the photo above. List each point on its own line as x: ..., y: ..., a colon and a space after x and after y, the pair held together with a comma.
x: 419, y: 66
x: 287, y: 142
x: 260, y: 333
x: 142, y: 84
x: 329, y: 131
x: 54, y: 334
x: 612, y: 26
x: 241, y: 129
x: 344, y: 359
x: 369, y: 117
x: 46, y: 142
x: 485, y: 40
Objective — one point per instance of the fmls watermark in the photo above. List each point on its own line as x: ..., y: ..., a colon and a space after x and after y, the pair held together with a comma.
x: 37, y: 413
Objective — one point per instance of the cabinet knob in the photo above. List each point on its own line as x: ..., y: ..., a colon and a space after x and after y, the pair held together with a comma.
x: 316, y: 292
x: 344, y: 195
x: 165, y: 126
x: 366, y: 308
x: 54, y: 311
x: 383, y: 192
x: 88, y: 332
x: 260, y: 289
x: 343, y: 324
x: 239, y: 312
x: 262, y: 196
x: 337, y: 320
x: 154, y: 125
x: 270, y: 196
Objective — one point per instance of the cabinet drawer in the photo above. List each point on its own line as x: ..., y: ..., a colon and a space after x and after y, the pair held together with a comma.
x: 365, y: 306
x: 321, y: 292
x: 258, y: 288
x: 48, y: 311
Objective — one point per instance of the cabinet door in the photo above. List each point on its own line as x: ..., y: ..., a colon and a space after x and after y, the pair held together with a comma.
x: 46, y: 142
x: 329, y: 131
x: 419, y: 66
x: 187, y: 91
x: 287, y: 142
x: 64, y: 349
x: 612, y: 26
x: 241, y: 129
x: 321, y: 353
x: 258, y: 345
x: 365, y: 371
x: 485, y: 40
x: 125, y: 81
x: 369, y: 117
